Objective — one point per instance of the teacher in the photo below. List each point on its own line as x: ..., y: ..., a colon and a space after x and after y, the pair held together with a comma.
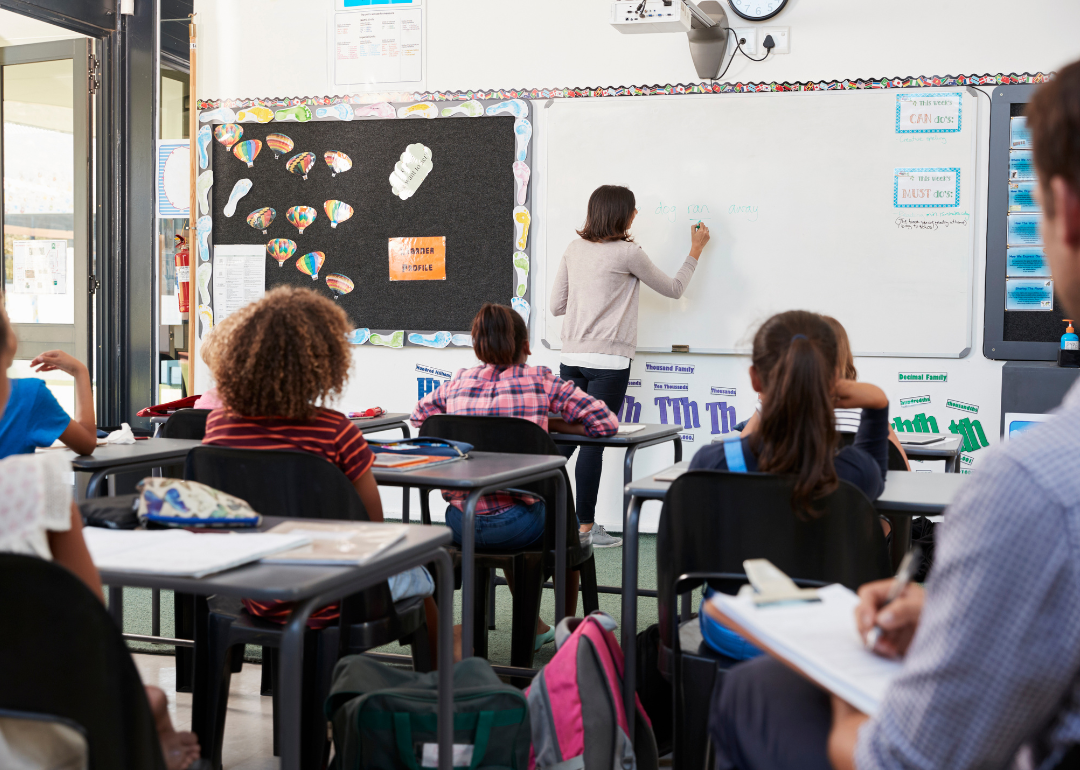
x: 596, y: 289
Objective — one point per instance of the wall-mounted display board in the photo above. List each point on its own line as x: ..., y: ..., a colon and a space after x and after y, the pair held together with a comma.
x: 858, y: 204
x: 1023, y: 317
x: 410, y: 216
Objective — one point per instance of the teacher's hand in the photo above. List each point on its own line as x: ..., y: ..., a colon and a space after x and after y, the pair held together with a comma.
x: 699, y: 236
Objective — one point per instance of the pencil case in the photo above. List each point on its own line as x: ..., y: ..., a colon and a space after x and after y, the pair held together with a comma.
x: 421, y: 445
x: 177, y: 503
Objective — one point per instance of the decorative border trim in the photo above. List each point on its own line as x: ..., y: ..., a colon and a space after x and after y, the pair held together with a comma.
x: 654, y: 90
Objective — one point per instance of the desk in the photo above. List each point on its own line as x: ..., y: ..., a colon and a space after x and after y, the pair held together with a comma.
x: 106, y: 460
x: 479, y: 474
x: 947, y: 450
x: 389, y: 421
x: 906, y: 494
x: 313, y: 587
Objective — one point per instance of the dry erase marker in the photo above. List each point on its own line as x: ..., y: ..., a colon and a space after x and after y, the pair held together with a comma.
x: 698, y: 225
x: 908, y: 565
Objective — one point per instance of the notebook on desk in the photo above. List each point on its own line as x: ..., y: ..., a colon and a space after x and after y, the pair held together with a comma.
x: 921, y: 439
x: 818, y: 639
x: 344, y: 543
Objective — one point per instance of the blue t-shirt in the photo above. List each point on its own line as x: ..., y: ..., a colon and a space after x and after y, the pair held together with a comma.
x: 31, y: 418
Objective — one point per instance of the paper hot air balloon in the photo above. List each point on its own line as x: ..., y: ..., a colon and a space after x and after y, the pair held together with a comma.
x: 279, y: 143
x: 281, y: 249
x: 337, y: 211
x: 301, y: 164
x: 339, y: 284
x: 228, y: 134
x: 301, y: 216
x: 248, y: 151
x: 311, y: 263
x: 338, y: 162
x: 261, y: 219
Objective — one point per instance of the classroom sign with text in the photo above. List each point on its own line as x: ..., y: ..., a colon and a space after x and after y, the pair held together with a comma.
x: 926, y: 188
x: 418, y: 259
x: 926, y: 113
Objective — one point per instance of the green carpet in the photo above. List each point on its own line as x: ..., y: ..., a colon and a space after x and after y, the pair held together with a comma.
x: 137, y: 607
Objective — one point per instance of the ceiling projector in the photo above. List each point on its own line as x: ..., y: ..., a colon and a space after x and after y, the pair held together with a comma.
x: 644, y: 16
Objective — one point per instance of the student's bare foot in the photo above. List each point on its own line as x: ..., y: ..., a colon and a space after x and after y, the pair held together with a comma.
x: 180, y: 749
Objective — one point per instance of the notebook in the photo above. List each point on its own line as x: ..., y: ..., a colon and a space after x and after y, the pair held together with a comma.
x: 347, y: 543
x: 181, y: 553
x: 626, y: 430
x: 920, y: 439
x: 386, y: 461
x: 819, y: 639
x: 670, y: 474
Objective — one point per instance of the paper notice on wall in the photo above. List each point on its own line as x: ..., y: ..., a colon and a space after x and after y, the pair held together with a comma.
x: 39, y: 267
x: 239, y: 278
x: 926, y: 188
x: 928, y: 113
x: 418, y: 259
x: 379, y: 48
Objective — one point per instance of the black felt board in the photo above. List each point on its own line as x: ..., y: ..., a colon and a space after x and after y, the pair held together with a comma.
x: 468, y: 197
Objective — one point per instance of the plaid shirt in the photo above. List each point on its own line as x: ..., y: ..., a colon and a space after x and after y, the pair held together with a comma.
x: 530, y: 392
x: 995, y: 663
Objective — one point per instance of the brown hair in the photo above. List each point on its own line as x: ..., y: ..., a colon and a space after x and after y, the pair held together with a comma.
x: 499, y: 335
x: 795, y: 357
x: 845, y: 362
x: 1054, y: 120
x: 281, y: 355
x: 608, y: 218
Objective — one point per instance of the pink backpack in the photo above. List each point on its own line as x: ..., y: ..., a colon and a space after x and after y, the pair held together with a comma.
x: 576, y: 706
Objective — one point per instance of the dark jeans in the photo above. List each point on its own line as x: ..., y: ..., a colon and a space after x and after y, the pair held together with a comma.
x: 608, y: 385
x: 765, y: 716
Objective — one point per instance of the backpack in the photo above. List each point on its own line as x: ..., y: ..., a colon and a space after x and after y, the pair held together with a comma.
x: 386, y: 718
x: 579, y: 694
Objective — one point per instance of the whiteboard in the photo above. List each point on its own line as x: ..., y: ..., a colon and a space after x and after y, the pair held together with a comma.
x: 797, y: 190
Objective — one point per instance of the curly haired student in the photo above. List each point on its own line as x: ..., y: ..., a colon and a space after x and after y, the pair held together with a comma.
x: 277, y: 362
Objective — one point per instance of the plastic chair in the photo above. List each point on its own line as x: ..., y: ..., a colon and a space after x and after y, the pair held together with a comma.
x: 710, y: 523
x: 70, y: 664
x: 518, y: 436
x: 896, y: 460
x: 297, y: 485
x: 186, y: 423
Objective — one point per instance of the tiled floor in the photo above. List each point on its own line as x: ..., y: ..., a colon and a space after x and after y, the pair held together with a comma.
x: 248, y: 732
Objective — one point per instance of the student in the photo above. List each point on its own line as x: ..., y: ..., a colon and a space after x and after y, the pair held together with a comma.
x: 38, y: 518
x: 596, y: 288
x: 505, y: 386
x: 794, y: 370
x: 847, y: 420
x: 32, y: 418
x: 991, y: 646
x: 275, y: 361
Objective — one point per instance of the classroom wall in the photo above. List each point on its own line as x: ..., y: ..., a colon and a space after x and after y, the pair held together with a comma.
x: 250, y: 48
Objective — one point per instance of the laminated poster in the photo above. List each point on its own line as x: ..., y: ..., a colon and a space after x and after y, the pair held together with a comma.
x: 418, y: 259
x: 1026, y: 262
x: 1025, y: 230
x: 1022, y: 197
x: 1019, y: 135
x: 926, y: 188
x: 1021, y: 166
x: 928, y: 113
x: 1029, y: 294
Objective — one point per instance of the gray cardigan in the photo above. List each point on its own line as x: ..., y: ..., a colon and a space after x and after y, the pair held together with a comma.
x: 596, y: 288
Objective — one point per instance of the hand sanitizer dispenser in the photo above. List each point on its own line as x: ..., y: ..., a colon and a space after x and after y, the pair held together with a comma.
x: 1069, y: 352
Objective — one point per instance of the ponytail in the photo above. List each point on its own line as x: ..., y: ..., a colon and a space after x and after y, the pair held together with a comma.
x: 795, y: 357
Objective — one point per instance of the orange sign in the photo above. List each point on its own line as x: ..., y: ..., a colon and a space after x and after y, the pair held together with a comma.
x: 418, y: 259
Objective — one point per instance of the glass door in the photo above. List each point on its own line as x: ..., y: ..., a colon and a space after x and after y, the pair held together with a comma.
x: 44, y: 157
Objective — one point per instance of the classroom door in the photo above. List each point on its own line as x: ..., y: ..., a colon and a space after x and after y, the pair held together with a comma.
x: 45, y: 104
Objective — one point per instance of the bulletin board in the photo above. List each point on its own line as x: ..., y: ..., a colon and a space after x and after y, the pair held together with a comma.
x: 1029, y: 332
x: 464, y: 223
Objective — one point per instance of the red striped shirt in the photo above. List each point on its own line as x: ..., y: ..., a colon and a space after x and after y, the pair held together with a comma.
x: 328, y: 434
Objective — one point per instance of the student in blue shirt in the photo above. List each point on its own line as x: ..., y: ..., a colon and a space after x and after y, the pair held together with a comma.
x: 31, y: 416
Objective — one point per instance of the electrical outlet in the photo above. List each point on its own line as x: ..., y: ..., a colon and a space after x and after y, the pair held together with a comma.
x: 780, y: 35
x: 747, y: 37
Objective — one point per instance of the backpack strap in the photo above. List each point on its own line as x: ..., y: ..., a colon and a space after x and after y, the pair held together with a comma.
x: 733, y: 453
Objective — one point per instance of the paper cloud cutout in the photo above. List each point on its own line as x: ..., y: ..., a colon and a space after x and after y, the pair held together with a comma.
x: 411, y: 171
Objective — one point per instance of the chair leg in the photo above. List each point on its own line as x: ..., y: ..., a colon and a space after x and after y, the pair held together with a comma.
x: 214, y: 691
x: 184, y: 628
x: 320, y: 656
x: 266, y: 686
x: 480, y: 612
x: 425, y: 507
x: 590, y: 597
x: 423, y: 657
x: 275, y: 673
x: 491, y: 600
x: 528, y: 586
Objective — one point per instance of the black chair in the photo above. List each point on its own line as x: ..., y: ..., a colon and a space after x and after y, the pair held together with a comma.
x: 518, y: 436
x: 62, y: 659
x: 296, y: 485
x: 186, y: 423
x: 710, y: 523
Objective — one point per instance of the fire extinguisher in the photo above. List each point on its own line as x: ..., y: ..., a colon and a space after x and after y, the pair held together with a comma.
x: 183, y: 276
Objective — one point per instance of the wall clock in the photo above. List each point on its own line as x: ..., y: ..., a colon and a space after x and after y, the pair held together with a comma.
x: 757, y: 10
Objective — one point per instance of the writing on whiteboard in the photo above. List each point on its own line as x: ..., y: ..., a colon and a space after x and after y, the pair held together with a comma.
x: 671, y: 212
x: 750, y: 213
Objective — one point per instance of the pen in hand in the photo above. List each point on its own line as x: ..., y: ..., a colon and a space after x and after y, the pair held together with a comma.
x: 908, y: 566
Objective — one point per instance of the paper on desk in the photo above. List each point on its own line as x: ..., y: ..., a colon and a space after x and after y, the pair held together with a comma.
x: 821, y: 640
x: 347, y: 542
x: 628, y: 429
x: 181, y: 553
